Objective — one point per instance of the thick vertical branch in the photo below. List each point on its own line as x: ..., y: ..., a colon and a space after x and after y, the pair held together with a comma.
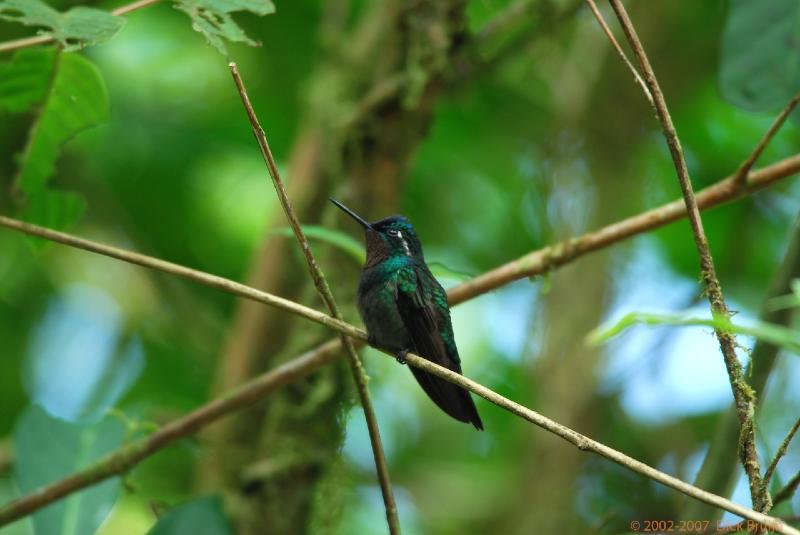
x: 743, y: 395
x: 321, y: 284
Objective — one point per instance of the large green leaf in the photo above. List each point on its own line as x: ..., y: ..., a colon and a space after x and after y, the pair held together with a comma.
x: 213, y: 19
x: 48, y: 449
x: 760, y: 61
x: 24, y: 79
x: 203, y: 516
x: 74, y: 29
x: 76, y: 100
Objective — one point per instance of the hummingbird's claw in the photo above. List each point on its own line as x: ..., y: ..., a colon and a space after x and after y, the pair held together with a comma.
x: 401, y: 356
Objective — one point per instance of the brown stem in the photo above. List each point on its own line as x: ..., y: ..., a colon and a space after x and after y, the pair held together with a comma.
x: 781, y: 452
x: 741, y: 173
x: 121, y: 460
x: 743, y: 395
x: 553, y: 256
x: 618, y: 48
x: 787, y: 491
x: 321, y: 284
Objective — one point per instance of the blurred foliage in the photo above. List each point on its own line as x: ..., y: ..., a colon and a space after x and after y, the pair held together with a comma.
x: 146, y: 132
x: 760, y: 66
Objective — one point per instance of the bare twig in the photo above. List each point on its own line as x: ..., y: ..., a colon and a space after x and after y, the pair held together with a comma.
x: 124, y: 458
x: 743, y: 395
x: 252, y: 391
x: 529, y: 265
x: 553, y: 256
x: 26, y: 42
x: 532, y: 264
x: 616, y: 45
x: 788, y: 490
x: 781, y: 452
x: 226, y: 285
x: 321, y: 284
x: 741, y: 173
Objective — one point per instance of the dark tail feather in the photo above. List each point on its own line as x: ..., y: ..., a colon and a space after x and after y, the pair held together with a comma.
x: 452, y: 399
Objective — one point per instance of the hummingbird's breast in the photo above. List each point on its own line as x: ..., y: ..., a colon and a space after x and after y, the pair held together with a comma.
x: 377, y: 292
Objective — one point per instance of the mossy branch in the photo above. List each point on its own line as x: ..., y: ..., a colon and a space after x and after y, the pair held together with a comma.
x: 324, y: 291
x: 742, y: 394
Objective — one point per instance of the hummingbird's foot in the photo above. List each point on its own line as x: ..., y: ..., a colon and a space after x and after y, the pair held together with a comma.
x: 401, y: 356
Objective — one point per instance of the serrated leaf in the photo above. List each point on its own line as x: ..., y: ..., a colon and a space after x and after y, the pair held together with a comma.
x: 48, y: 449
x: 778, y: 335
x: 74, y: 29
x: 212, y: 18
x: 760, y: 59
x: 203, y: 516
x: 76, y: 100
x: 24, y: 79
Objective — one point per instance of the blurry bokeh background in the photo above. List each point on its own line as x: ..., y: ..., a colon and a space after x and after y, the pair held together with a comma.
x: 536, y: 135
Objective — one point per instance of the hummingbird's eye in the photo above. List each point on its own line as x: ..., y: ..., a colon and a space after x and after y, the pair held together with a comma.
x: 394, y: 232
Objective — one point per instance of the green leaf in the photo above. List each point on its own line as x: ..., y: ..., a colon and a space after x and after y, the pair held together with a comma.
x: 338, y: 239
x: 74, y: 29
x: 203, y: 516
x: 76, y: 100
x: 791, y: 300
x: 54, y: 209
x: 760, y: 60
x: 775, y: 334
x: 24, y: 79
x: 212, y: 18
x: 47, y: 450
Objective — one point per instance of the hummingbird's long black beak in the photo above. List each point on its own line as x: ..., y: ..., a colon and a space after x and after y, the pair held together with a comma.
x: 351, y: 213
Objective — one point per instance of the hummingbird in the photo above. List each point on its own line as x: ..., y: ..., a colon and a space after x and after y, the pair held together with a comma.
x: 405, y: 309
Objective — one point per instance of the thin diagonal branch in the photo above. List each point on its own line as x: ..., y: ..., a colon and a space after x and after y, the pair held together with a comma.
x: 534, y: 263
x: 121, y: 460
x: 743, y: 395
x: 741, y: 173
x: 781, y: 452
x: 213, y: 281
x: 558, y: 254
x: 788, y: 490
x: 529, y: 265
x: 321, y: 284
x: 618, y: 48
x: 26, y: 42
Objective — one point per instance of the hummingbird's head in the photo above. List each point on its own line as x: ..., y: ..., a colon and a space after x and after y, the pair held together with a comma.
x: 390, y: 237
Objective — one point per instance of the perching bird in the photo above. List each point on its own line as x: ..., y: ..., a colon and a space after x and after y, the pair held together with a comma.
x: 405, y: 309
